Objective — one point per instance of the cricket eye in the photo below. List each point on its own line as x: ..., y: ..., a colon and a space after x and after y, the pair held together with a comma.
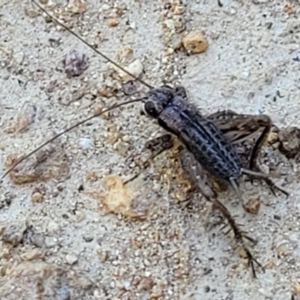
x: 151, y: 109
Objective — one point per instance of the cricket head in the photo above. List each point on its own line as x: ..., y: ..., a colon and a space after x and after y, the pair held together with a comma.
x: 157, y: 100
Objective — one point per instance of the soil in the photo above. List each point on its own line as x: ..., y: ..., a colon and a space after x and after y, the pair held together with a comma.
x: 69, y: 227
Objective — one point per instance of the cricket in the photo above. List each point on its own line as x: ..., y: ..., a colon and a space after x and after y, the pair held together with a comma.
x: 208, y: 143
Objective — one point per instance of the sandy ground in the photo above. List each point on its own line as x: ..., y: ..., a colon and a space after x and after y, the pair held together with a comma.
x: 58, y: 239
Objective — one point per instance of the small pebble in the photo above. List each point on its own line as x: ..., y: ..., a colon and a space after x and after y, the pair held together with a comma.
x: 71, y: 259
x: 266, y: 293
x: 272, y: 138
x: 252, y: 206
x: 135, y: 68
x: 194, y: 42
x: 80, y: 216
x: 289, y: 141
x: 75, y: 63
x: 37, y: 197
x: 129, y: 88
x: 146, y: 284
x: 179, y: 23
x: 126, y: 138
x: 175, y: 42
x: 103, y: 256
x: 132, y: 25
x: 50, y: 242
x: 178, y: 10
x: 169, y: 23
x: 63, y: 293
x: 91, y: 176
x: 88, y: 238
x: 53, y: 227
x: 13, y: 232
x: 121, y: 147
x: 86, y: 143
x: 242, y: 252
x: 288, y: 8
x: 38, y: 240
x: 77, y: 6
x: 113, y: 22
x: 105, y: 7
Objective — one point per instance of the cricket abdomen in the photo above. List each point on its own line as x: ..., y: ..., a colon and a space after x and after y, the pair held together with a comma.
x: 204, y: 140
x: 212, y: 150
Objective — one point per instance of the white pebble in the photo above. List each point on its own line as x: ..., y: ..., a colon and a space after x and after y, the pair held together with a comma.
x: 86, y: 143
x: 105, y: 7
x: 265, y: 293
x: 71, y: 259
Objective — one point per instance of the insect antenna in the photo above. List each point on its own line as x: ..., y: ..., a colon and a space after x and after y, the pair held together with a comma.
x: 89, y: 45
x: 67, y: 130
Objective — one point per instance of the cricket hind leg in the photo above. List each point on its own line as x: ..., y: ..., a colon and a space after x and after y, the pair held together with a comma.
x: 156, y: 146
x: 260, y: 175
x: 239, y: 235
x: 265, y: 123
x: 199, y: 179
x: 238, y: 128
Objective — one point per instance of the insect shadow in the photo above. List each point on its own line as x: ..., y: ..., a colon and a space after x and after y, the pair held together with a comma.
x: 208, y: 141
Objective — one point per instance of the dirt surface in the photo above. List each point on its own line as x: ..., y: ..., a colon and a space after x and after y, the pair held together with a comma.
x: 62, y: 238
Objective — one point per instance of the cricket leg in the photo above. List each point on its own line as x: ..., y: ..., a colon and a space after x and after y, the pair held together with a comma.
x: 196, y: 174
x: 238, y: 128
x: 262, y: 123
x: 156, y: 146
x: 199, y: 179
x: 239, y: 235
